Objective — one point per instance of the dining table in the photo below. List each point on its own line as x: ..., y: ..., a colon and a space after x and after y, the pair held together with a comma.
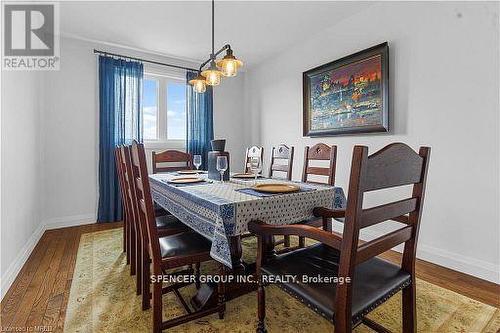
x: 221, y: 211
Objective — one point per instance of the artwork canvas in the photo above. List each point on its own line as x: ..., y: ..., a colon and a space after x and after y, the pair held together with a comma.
x: 349, y: 95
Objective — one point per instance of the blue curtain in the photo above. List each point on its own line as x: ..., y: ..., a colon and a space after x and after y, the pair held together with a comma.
x: 200, y: 122
x: 120, y: 89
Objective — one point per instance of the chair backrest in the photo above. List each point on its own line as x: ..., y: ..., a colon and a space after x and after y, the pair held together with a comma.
x: 171, y: 156
x: 253, y: 151
x: 121, y: 179
x: 320, y: 152
x: 126, y: 161
x: 281, y: 161
x: 393, y: 166
x: 145, y: 203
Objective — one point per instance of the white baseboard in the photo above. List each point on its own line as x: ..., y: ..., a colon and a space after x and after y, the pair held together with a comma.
x: 54, y: 223
x: 471, y: 266
x: 69, y: 221
x: 10, y: 275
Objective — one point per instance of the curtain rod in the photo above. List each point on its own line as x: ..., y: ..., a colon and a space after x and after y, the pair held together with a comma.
x: 143, y: 60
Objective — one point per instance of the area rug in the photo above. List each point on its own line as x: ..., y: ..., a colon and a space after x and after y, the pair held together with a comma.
x: 103, y: 299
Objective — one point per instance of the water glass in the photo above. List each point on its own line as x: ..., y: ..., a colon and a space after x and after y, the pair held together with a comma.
x: 197, y: 161
x: 222, y: 166
x: 256, y: 167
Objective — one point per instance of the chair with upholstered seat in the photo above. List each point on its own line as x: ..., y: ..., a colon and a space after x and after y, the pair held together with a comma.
x: 182, y: 161
x: 166, y: 224
x: 324, y: 175
x: 168, y: 252
x: 125, y: 202
x: 281, y: 167
x: 169, y: 161
x: 372, y: 280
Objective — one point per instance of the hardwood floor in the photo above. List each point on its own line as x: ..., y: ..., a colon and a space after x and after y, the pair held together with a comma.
x: 39, y: 295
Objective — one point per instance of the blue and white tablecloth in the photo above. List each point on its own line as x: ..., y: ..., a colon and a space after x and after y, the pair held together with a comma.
x: 217, y: 211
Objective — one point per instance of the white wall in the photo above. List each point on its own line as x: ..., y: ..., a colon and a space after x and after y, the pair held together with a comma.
x: 50, y: 145
x: 228, y: 119
x: 20, y: 170
x: 444, y: 73
x: 71, y: 129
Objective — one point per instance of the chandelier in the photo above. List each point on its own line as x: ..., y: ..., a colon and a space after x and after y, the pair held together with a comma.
x: 227, y: 66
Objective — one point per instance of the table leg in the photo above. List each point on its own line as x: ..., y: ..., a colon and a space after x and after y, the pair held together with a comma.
x: 207, y: 294
x: 236, y: 253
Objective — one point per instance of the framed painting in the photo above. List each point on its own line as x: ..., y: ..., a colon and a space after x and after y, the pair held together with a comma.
x: 349, y: 95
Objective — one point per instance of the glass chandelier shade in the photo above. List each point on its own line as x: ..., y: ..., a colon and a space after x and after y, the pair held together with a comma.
x: 229, y: 65
x: 212, y: 74
x: 199, y: 84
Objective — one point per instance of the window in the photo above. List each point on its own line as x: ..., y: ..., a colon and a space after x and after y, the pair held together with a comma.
x: 163, y: 108
x: 150, y: 109
x: 176, y: 111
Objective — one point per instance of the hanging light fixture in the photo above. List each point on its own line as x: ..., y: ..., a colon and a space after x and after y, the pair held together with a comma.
x: 213, y: 74
x: 227, y: 66
x: 199, y: 84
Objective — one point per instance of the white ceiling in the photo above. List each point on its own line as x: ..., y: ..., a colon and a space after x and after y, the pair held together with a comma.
x: 255, y: 30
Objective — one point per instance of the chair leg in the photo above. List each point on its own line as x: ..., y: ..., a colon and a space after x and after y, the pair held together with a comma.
x: 157, y: 307
x: 261, y: 300
x: 302, y: 242
x: 139, y: 266
x: 222, y: 294
x: 410, y: 309
x: 287, y: 241
x: 126, y: 231
x: 146, y: 293
x: 197, y: 275
x: 133, y: 251
x: 125, y: 235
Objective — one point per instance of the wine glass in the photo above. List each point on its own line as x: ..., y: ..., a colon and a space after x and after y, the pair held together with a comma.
x: 256, y: 167
x: 197, y: 161
x: 221, y: 166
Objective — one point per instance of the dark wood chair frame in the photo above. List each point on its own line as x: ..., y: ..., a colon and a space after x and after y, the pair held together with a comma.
x: 171, y: 156
x: 122, y: 196
x: 140, y: 257
x: 319, y: 152
x: 128, y: 227
x: 282, y: 152
x: 393, y: 166
x: 254, y: 151
x: 151, y: 247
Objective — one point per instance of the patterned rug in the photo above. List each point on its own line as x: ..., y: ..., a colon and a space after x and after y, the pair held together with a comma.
x: 102, y: 299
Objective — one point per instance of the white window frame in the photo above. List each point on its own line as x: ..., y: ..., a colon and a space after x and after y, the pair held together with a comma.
x: 162, y: 140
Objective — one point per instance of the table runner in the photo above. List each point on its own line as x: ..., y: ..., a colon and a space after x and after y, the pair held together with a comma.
x: 217, y: 211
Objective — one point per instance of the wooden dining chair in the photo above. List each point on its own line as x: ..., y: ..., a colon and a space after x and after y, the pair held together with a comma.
x: 166, y: 224
x: 182, y: 161
x: 123, y: 194
x: 281, y: 162
x: 320, y: 152
x: 372, y: 280
x: 326, y: 175
x: 254, y: 151
x: 168, y: 252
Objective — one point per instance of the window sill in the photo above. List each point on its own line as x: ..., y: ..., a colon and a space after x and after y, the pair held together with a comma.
x: 169, y: 144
